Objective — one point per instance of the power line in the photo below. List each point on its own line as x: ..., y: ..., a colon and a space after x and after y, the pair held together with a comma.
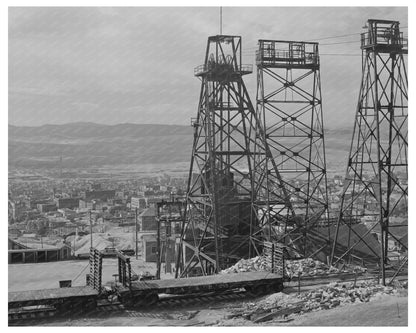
x: 324, y: 44
x: 349, y: 42
x: 80, y: 272
x: 248, y: 54
x: 340, y: 54
x: 324, y: 38
x: 332, y: 37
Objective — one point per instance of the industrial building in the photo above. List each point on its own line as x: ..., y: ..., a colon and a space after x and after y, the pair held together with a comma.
x: 20, y: 254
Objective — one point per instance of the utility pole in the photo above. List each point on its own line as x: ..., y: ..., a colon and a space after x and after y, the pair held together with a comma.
x: 136, y: 251
x: 158, y: 247
x: 75, y: 237
x: 90, y: 229
x: 220, y: 20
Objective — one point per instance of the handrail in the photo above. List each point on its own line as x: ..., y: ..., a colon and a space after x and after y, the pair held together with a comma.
x: 298, y: 57
x: 382, y: 37
x: 206, y: 68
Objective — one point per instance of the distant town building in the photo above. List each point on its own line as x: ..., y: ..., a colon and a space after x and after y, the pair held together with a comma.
x: 57, y: 223
x: 19, y: 253
x: 95, y: 187
x: 67, y: 213
x: 89, y: 205
x: 149, y: 250
x: 16, y: 209
x: 103, y: 195
x: 33, y: 204
x: 139, y: 203
x: 147, y: 220
x: 46, y: 207
x: 67, y: 203
x: 119, y: 194
x: 151, y: 202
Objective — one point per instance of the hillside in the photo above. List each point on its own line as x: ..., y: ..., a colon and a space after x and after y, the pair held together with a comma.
x: 90, y: 144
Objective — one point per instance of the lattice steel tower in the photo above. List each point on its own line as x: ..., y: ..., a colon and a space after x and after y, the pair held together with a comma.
x: 289, y: 106
x: 375, y: 189
x: 221, y: 223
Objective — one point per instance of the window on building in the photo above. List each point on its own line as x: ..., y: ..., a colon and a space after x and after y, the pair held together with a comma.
x: 153, y: 250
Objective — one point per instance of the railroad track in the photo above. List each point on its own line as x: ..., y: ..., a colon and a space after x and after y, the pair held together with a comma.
x: 105, y: 308
x: 30, y: 313
x: 169, y: 301
x: 311, y: 281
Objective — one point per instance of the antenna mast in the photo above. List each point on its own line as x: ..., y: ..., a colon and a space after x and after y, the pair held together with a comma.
x: 220, y: 20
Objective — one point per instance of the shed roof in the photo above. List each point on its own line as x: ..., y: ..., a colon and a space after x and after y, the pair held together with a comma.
x: 151, y: 211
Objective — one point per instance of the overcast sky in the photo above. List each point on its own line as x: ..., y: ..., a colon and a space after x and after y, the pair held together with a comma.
x: 135, y: 65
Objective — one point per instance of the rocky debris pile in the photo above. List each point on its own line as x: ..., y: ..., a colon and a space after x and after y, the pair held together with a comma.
x: 343, y: 293
x: 277, y: 299
x: 336, y: 294
x: 255, y: 264
x: 308, y: 267
x: 281, y: 305
x: 294, y: 268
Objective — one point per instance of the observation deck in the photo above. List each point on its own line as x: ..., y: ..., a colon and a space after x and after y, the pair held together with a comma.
x: 384, y: 37
x: 214, y: 71
x: 287, y: 54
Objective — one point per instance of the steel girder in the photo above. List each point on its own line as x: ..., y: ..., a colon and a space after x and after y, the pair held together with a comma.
x: 225, y: 189
x: 289, y: 106
x: 375, y: 189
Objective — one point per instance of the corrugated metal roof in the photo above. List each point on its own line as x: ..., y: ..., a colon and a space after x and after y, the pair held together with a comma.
x: 367, y: 249
x: 151, y: 211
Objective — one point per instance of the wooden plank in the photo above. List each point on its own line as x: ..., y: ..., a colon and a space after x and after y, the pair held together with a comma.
x: 283, y: 312
x: 46, y: 294
x: 206, y: 281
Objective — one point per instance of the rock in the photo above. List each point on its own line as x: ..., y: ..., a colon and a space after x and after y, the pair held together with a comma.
x: 335, y: 302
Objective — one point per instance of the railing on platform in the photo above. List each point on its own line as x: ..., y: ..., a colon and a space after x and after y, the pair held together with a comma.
x: 287, y: 53
x: 382, y: 36
x: 215, y: 67
x: 96, y: 268
x: 273, y: 253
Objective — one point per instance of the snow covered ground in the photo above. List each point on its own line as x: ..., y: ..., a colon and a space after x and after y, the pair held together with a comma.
x: 122, y: 238
x: 47, y: 275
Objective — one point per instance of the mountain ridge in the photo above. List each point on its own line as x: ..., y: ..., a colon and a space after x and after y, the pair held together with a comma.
x: 87, y: 129
x: 91, y: 129
x: 84, y: 144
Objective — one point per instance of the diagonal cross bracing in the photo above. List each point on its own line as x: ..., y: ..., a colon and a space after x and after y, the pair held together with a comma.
x: 289, y: 105
x: 376, y: 176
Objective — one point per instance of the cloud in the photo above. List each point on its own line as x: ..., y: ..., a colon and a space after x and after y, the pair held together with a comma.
x: 121, y: 59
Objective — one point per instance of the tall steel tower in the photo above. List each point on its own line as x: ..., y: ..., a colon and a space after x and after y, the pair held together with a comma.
x: 221, y: 222
x: 289, y: 106
x: 375, y: 188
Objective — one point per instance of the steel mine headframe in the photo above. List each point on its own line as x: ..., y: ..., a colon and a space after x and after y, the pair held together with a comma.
x: 289, y: 106
x: 225, y: 193
x: 375, y: 188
